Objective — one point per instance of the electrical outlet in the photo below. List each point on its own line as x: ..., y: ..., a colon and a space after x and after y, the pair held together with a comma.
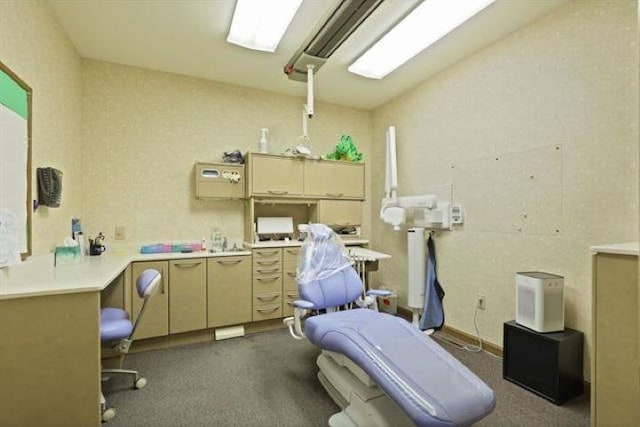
x: 121, y: 233
x: 481, y: 302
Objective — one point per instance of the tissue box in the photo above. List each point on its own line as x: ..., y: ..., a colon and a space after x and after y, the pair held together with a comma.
x: 66, y: 255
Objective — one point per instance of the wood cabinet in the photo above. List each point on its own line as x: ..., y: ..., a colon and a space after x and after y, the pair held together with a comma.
x: 267, y: 284
x: 219, y: 181
x: 188, y: 295
x: 615, y: 359
x: 275, y: 176
x: 229, y: 290
x: 339, y: 212
x: 332, y: 179
x: 289, y: 283
x: 281, y: 176
x: 156, y: 317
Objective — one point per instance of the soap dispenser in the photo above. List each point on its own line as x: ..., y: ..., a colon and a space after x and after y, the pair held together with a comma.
x: 263, y: 140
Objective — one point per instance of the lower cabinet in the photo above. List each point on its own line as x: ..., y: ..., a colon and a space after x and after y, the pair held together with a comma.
x: 228, y: 290
x: 188, y: 295
x: 156, y: 316
x: 289, y: 283
x: 267, y: 284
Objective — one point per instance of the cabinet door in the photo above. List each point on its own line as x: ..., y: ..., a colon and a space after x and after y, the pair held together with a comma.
x: 615, y: 389
x: 188, y: 296
x: 229, y: 290
x: 155, y: 322
x: 276, y: 176
x: 333, y: 180
x: 340, y: 212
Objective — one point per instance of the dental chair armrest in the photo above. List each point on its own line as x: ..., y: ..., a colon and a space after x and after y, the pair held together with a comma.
x: 378, y: 292
x: 303, y: 304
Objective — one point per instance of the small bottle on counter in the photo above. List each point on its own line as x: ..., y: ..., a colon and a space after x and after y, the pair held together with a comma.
x: 203, y: 245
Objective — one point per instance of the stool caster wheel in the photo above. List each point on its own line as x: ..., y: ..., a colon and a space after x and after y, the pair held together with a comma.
x: 140, y: 383
x: 108, y: 414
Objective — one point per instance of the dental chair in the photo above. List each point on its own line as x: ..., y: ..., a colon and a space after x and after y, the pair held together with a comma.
x: 379, y: 369
x: 117, y: 331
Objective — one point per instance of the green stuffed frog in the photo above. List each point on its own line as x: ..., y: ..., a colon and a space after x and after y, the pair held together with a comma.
x: 346, y: 150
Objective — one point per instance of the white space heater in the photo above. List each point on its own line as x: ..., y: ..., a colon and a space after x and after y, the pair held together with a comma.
x: 540, y: 301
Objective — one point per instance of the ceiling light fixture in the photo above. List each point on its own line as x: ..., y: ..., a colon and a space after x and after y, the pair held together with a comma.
x: 260, y: 24
x: 425, y: 25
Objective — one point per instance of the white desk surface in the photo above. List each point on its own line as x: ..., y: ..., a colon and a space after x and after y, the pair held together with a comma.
x: 367, y: 254
x: 37, y: 276
x: 630, y: 248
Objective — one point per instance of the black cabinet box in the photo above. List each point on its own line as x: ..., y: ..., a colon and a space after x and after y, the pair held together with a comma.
x: 549, y: 364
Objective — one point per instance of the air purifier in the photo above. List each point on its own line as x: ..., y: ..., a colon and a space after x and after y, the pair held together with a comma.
x: 540, y: 301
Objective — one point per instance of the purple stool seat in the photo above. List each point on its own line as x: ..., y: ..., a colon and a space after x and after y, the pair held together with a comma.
x: 114, y: 330
x: 110, y: 314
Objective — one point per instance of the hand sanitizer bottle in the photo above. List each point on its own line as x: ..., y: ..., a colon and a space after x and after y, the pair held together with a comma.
x: 263, y: 140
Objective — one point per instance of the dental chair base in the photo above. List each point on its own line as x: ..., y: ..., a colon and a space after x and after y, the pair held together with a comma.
x: 361, y: 400
x: 424, y: 383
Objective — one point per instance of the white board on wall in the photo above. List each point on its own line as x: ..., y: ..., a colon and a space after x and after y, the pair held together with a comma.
x: 512, y: 192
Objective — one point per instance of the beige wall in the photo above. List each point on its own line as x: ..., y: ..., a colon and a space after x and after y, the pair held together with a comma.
x: 144, y: 130
x: 36, y: 48
x: 570, y: 79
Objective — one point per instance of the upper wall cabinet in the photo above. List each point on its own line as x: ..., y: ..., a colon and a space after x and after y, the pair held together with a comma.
x: 330, y: 179
x: 271, y: 175
x: 282, y: 176
x: 219, y: 181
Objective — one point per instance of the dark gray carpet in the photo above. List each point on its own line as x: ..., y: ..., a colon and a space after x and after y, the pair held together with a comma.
x: 269, y: 379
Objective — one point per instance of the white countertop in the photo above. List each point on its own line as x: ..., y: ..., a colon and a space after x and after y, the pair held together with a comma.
x: 37, y: 275
x: 291, y: 243
x: 630, y: 248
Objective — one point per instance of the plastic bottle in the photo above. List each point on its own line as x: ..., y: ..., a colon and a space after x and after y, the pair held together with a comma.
x: 203, y: 245
x: 263, y: 140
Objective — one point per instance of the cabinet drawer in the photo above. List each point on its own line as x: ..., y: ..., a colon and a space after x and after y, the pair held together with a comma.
x: 289, y: 280
x: 266, y: 263
x: 229, y: 291
x: 290, y: 256
x: 287, y: 303
x: 340, y: 212
x: 266, y: 253
x: 266, y: 283
x: 265, y: 312
x: 270, y: 298
x: 188, y: 295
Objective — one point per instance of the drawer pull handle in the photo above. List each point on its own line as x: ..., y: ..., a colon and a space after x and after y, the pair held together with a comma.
x: 292, y: 252
x: 280, y: 192
x: 272, y: 270
x: 267, y: 298
x: 187, y: 265
x: 237, y: 261
x: 290, y: 274
x: 267, y: 279
x: 335, y: 194
x: 292, y: 295
x: 267, y: 262
x: 267, y: 253
x: 264, y: 310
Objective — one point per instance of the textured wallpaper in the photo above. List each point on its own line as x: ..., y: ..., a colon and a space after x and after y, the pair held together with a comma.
x: 569, y: 80
x: 144, y: 130
x: 36, y: 48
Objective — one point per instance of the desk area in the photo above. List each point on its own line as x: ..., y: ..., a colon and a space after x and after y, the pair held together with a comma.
x: 50, y: 351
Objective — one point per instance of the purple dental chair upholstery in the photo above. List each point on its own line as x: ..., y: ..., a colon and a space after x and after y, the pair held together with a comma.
x: 380, y: 369
x: 117, y: 331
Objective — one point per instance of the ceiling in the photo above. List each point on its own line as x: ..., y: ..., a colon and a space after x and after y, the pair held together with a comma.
x: 188, y: 37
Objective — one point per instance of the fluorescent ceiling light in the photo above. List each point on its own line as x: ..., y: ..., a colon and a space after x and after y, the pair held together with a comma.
x: 260, y: 24
x: 425, y: 25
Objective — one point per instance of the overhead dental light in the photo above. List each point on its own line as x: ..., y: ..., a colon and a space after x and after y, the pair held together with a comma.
x: 260, y: 24
x: 426, y: 24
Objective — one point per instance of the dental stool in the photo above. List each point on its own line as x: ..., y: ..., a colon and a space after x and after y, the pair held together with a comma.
x: 117, y: 331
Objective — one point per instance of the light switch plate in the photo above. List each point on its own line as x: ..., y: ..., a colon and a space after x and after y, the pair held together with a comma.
x: 121, y: 233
